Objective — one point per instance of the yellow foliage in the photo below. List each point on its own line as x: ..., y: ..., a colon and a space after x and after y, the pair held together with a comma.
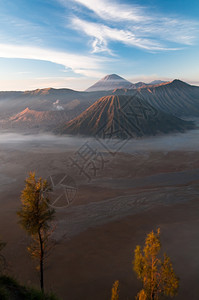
x: 141, y: 295
x: 115, y: 291
x: 156, y: 274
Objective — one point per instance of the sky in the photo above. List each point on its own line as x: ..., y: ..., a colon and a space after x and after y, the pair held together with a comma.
x: 74, y: 43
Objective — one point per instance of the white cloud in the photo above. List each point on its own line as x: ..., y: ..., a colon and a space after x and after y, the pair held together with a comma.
x: 169, y: 29
x: 75, y: 83
x: 102, y: 34
x: 80, y: 64
x: 134, y: 25
x: 112, y: 11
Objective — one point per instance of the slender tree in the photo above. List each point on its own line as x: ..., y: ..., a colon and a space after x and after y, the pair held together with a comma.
x: 2, y: 258
x: 115, y: 291
x: 36, y: 218
x: 157, y: 275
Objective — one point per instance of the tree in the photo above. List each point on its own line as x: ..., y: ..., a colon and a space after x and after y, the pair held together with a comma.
x: 36, y: 217
x: 115, y: 291
x: 157, y: 275
x: 141, y: 295
x: 2, y: 258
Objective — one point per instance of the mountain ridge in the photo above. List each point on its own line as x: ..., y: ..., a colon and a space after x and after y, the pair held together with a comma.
x: 114, y: 81
x: 32, y: 119
x: 175, y: 97
x: 126, y: 116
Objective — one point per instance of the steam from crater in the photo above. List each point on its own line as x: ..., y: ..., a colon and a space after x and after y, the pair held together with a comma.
x: 57, y: 106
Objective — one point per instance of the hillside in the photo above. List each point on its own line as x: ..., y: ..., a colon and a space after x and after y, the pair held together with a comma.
x: 123, y: 117
x: 10, y: 289
x: 176, y: 97
x: 29, y: 119
x: 73, y: 102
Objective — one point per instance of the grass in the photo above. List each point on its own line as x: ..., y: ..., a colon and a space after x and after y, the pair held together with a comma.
x: 10, y: 289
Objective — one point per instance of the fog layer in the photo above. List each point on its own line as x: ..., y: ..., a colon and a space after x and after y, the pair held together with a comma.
x: 188, y: 141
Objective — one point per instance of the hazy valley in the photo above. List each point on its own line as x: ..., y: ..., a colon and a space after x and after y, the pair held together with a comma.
x: 140, y: 172
x: 49, y: 109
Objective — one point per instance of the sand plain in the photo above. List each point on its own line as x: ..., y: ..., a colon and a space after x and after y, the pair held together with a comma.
x: 134, y: 192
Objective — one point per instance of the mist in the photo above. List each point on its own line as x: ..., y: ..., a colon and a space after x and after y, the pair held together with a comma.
x: 187, y: 141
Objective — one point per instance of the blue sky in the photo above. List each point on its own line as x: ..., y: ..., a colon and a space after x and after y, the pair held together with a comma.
x: 73, y: 43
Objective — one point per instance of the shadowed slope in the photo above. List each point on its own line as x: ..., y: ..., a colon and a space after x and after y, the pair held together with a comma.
x: 123, y: 117
x: 177, y: 98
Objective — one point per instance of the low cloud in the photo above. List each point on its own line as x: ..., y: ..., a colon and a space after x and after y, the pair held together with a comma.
x: 79, y: 64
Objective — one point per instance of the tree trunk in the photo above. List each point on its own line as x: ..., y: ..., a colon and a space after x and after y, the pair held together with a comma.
x: 41, y: 262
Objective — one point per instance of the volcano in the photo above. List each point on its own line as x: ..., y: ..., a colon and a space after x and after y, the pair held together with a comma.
x: 35, y: 119
x: 120, y: 116
x: 176, y: 97
x: 113, y: 82
x: 109, y: 83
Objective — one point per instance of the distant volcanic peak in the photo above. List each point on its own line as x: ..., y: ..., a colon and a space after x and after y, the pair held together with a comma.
x: 115, y: 82
x: 157, y: 82
x: 113, y: 77
x: 109, y: 83
x: 140, y: 84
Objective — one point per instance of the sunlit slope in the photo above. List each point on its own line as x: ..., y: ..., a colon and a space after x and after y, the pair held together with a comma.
x: 36, y: 119
x: 123, y: 116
